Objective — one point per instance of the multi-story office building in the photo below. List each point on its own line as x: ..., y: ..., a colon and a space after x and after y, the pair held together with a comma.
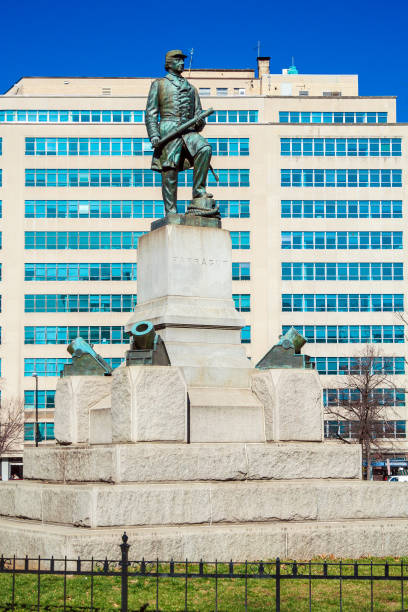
x: 312, y: 177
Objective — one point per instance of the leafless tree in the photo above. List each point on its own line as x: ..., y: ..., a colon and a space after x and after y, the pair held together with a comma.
x: 404, y: 321
x: 363, y: 406
x: 11, y: 424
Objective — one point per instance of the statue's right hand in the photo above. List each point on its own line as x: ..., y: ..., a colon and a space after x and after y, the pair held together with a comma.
x: 155, y: 141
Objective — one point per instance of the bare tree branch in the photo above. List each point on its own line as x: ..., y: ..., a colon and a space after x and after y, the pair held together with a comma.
x: 360, y: 403
x: 11, y: 424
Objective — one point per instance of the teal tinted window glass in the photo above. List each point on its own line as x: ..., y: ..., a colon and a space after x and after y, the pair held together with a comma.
x: 332, y: 117
x: 340, y: 178
x: 105, y: 334
x: 346, y: 365
x: 241, y: 116
x: 342, y: 271
x: 350, y: 334
x: 336, y: 302
x: 121, y: 146
x: 82, y: 240
x: 79, y: 271
x: 246, y: 334
x: 38, y: 177
x: 341, y: 240
x: 46, y: 400
x: 341, y: 209
x: 120, y: 209
x: 241, y: 270
x: 72, y: 116
x: 340, y: 147
x: 242, y: 301
x: 240, y: 240
x: 51, y: 302
x: 45, y: 432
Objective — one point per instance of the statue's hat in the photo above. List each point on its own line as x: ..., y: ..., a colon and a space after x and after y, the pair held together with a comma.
x: 175, y: 53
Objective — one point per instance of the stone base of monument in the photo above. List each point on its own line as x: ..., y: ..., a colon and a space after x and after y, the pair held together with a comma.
x: 286, y: 539
x: 242, y: 518
x: 205, y: 458
x: 160, y: 462
x: 176, y: 500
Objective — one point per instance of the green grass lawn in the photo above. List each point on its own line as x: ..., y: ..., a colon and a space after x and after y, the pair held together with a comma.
x: 201, y: 592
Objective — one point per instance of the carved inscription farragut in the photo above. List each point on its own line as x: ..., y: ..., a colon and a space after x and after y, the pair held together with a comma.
x: 199, y: 261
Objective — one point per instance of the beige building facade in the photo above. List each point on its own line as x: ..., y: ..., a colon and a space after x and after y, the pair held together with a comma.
x: 312, y: 185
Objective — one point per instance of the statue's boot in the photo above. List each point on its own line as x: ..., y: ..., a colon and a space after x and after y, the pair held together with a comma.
x: 201, y: 166
x: 169, y: 190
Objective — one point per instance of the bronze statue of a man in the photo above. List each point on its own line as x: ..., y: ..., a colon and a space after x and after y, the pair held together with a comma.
x: 175, y: 101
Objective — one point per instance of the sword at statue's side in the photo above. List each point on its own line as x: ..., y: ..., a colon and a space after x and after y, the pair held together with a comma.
x: 182, y: 128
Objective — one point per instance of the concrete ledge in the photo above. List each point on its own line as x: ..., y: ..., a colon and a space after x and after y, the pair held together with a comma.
x: 197, y: 503
x: 144, y: 462
x: 302, y: 540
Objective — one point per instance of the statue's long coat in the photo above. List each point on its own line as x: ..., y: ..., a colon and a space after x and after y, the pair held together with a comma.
x: 176, y: 101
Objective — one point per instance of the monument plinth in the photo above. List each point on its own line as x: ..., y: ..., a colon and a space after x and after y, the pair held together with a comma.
x: 184, y: 287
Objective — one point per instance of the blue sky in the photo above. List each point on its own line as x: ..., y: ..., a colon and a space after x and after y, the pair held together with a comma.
x: 123, y: 38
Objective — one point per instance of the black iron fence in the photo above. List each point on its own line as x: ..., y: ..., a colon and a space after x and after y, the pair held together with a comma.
x: 180, y: 576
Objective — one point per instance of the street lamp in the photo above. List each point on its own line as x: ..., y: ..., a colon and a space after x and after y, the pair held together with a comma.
x: 36, y: 432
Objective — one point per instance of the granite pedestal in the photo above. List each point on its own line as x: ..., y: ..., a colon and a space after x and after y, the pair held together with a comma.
x: 257, y: 479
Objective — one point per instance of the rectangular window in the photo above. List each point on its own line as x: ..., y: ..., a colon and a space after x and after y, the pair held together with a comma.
x: 332, y: 117
x: 138, y: 177
x: 120, y: 146
x: 342, y: 271
x: 348, y: 429
x: 234, y: 209
x: 344, y: 334
x: 72, y: 116
x: 46, y: 400
x: 82, y: 240
x: 45, y: 432
x: 236, y: 116
x: 340, y: 178
x: 51, y: 302
x: 242, y: 301
x: 341, y: 240
x: 229, y: 146
x: 345, y: 365
x: 389, y: 396
x: 246, y: 334
x: 52, y: 366
x: 106, y: 334
x: 44, y: 367
x: 340, y: 147
x: 341, y: 209
x: 119, y: 209
x: 222, y: 91
x: 342, y: 302
x: 204, y: 91
x: 80, y: 271
x: 240, y: 240
x: 241, y: 270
